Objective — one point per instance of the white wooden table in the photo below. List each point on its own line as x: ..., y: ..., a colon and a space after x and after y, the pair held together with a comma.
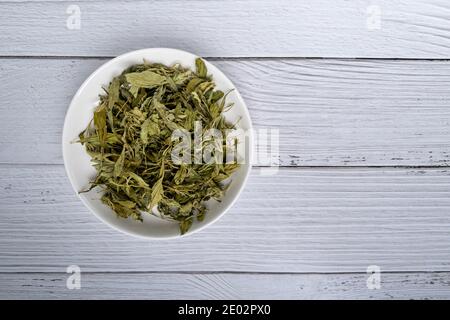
x: 360, y: 93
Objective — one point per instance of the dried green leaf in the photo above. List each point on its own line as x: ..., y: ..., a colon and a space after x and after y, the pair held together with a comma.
x: 201, y: 68
x: 145, y: 79
x: 149, y: 128
x: 100, y: 123
x: 127, y: 203
x: 193, y: 83
x: 113, y: 93
x: 118, y: 166
x: 180, y: 175
x: 186, y: 209
x: 185, y: 225
x: 141, y: 182
x: 157, y: 193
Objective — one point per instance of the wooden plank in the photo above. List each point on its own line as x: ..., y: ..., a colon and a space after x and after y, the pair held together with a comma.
x: 285, y: 28
x: 328, y: 112
x: 225, y: 286
x: 300, y: 220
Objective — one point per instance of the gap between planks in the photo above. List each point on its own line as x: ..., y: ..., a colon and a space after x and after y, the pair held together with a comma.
x: 226, y: 272
x: 256, y: 167
x: 243, y: 58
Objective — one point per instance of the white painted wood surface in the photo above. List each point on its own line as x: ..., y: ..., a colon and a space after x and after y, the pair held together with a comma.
x: 328, y: 112
x: 303, y: 233
x: 225, y: 286
x: 263, y: 28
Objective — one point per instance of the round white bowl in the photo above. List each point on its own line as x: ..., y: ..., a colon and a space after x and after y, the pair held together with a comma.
x: 81, y: 172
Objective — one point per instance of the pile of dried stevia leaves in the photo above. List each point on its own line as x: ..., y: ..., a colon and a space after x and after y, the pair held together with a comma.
x: 129, y: 140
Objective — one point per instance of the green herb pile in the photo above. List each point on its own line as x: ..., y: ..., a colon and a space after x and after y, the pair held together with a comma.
x: 129, y: 141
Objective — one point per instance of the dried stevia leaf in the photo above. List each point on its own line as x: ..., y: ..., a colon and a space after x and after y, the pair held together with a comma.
x: 185, y: 225
x: 193, y: 83
x: 157, y: 193
x: 201, y: 68
x: 141, y: 182
x: 118, y: 166
x: 145, y: 79
x: 180, y: 175
x: 113, y: 93
x: 100, y: 123
x: 149, y: 128
x: 127, y: 203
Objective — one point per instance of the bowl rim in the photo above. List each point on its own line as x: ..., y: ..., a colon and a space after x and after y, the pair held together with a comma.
x: 87, y: 203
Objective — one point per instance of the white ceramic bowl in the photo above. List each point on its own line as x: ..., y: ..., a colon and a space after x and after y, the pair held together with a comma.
x: 77, y: 161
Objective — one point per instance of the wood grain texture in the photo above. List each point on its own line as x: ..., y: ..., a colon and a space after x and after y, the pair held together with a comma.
x: 262, y: 28
x: 328, y: 112
x: 225, y: 286
x: 300, y: 220
x: 290, y: 235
